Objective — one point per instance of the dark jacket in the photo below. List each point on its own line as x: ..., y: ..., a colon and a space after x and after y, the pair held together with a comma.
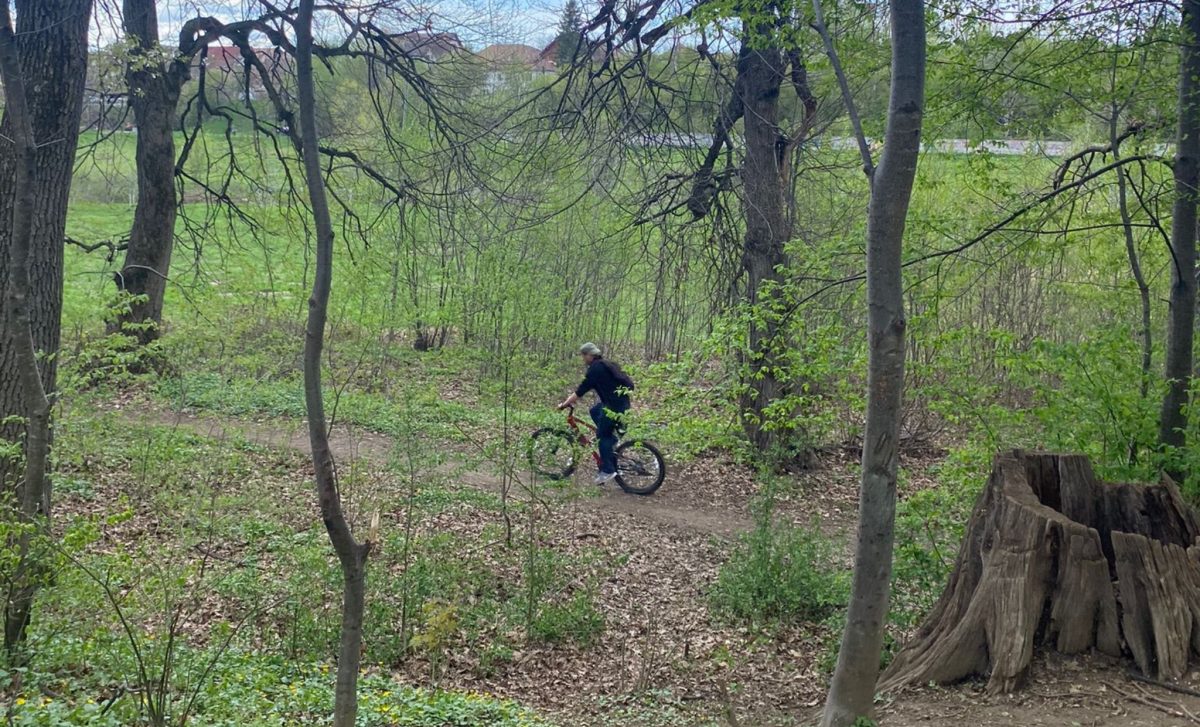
x: 599, y: 378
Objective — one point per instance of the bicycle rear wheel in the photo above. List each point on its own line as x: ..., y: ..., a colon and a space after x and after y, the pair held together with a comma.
x: 640, y: 467
x: 552, y: 453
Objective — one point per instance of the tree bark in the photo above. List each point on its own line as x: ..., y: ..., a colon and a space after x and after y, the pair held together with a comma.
x: 851, y: 693
x: 351, y: 554
x: 1182, y: 314
x: 1055, y: 558
x: 154, y: 86
x: 31, y: 492
x: 761, y: 73
x: 51, y: 45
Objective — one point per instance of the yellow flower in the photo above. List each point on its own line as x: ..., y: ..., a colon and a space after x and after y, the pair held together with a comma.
x: 20, y: 701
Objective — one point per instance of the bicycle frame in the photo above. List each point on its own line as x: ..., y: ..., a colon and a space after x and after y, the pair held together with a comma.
x: 581, y: 429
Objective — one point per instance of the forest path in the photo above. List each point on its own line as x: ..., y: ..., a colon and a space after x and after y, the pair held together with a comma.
x: 668, y: 507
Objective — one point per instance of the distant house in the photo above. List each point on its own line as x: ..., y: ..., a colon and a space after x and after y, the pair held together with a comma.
x: 549, y: 54
x: 428, y: 45
x: 226, y: 70
x: 509, y: 63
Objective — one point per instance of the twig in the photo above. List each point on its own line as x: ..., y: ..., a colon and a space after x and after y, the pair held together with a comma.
x: 121, y: 691
x: 1133, y: 129
x: 1159, y: 700
x: 1175, y: 710
x: 112, y: 247
x: 1138, y: 677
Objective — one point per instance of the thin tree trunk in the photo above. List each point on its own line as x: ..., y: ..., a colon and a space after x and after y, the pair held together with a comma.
x: 760, y: 76
x: 32, y: 492
x: 851, y: 693
x: 835, y: 62
x: 1135, y: 269
x: 154, y: 88
x: 1182, y: 316
x: 351, y: 554
x: 51, y: 48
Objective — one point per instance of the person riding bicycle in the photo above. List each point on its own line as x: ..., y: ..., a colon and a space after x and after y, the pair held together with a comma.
x: 612, y: 386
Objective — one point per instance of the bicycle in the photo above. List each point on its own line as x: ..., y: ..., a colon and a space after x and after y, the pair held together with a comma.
x: 640, y: 466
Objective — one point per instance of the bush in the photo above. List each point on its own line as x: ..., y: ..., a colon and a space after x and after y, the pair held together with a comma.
x: 781, y: 573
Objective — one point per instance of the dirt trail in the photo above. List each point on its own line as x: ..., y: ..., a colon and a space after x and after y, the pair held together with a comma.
x: 664, y: 508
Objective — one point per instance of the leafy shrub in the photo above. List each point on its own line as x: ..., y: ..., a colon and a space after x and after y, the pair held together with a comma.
x: 1086, y: 397
x: 781, y: 573
x: 929, y: 528
x: 811, y: 357
x: 689, y: 410
x: 111, y: 359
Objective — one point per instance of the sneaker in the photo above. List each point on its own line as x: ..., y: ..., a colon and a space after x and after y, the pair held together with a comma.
x: 602, y: 477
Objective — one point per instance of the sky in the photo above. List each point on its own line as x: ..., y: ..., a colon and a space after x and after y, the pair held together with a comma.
x: 478, y: 23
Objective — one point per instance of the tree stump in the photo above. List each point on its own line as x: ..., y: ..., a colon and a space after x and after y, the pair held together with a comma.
x: 1054, y: 558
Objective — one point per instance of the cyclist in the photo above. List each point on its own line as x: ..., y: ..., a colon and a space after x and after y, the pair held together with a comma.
x: 612, y: 386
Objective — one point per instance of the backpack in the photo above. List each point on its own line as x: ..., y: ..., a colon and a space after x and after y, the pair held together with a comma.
x: 619, y: 374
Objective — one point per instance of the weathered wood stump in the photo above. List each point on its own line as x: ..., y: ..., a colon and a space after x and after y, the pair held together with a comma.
x: 1054, y: 558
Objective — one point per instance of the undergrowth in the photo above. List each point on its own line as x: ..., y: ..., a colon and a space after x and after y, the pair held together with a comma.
x: 780, y: 573
x: 215, y: 581
x: 79, y: 682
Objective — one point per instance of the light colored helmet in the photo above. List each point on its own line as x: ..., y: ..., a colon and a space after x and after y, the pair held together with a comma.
x: 590, y: 348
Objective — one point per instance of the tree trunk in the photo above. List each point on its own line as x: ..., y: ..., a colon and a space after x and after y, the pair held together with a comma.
x: 1135, y: 269
x: 760, y: 76
x: 351, y: 554
x: 851, y: 693
x: 1182, y: 316
x: 1053, y: 557
x: 31, y: 492
x: 154, y: 88
x: 51, y: 44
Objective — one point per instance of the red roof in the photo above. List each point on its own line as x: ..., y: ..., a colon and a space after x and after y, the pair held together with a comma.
x: 229, y: 58
x: 510, y: 54
x: 550, y: 53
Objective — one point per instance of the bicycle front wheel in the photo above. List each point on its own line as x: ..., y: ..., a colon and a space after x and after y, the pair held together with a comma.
x: 640, y: 467
x: 552, y: 453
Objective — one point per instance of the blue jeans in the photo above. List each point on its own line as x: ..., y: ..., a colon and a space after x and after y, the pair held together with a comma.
x: 607, y: 430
